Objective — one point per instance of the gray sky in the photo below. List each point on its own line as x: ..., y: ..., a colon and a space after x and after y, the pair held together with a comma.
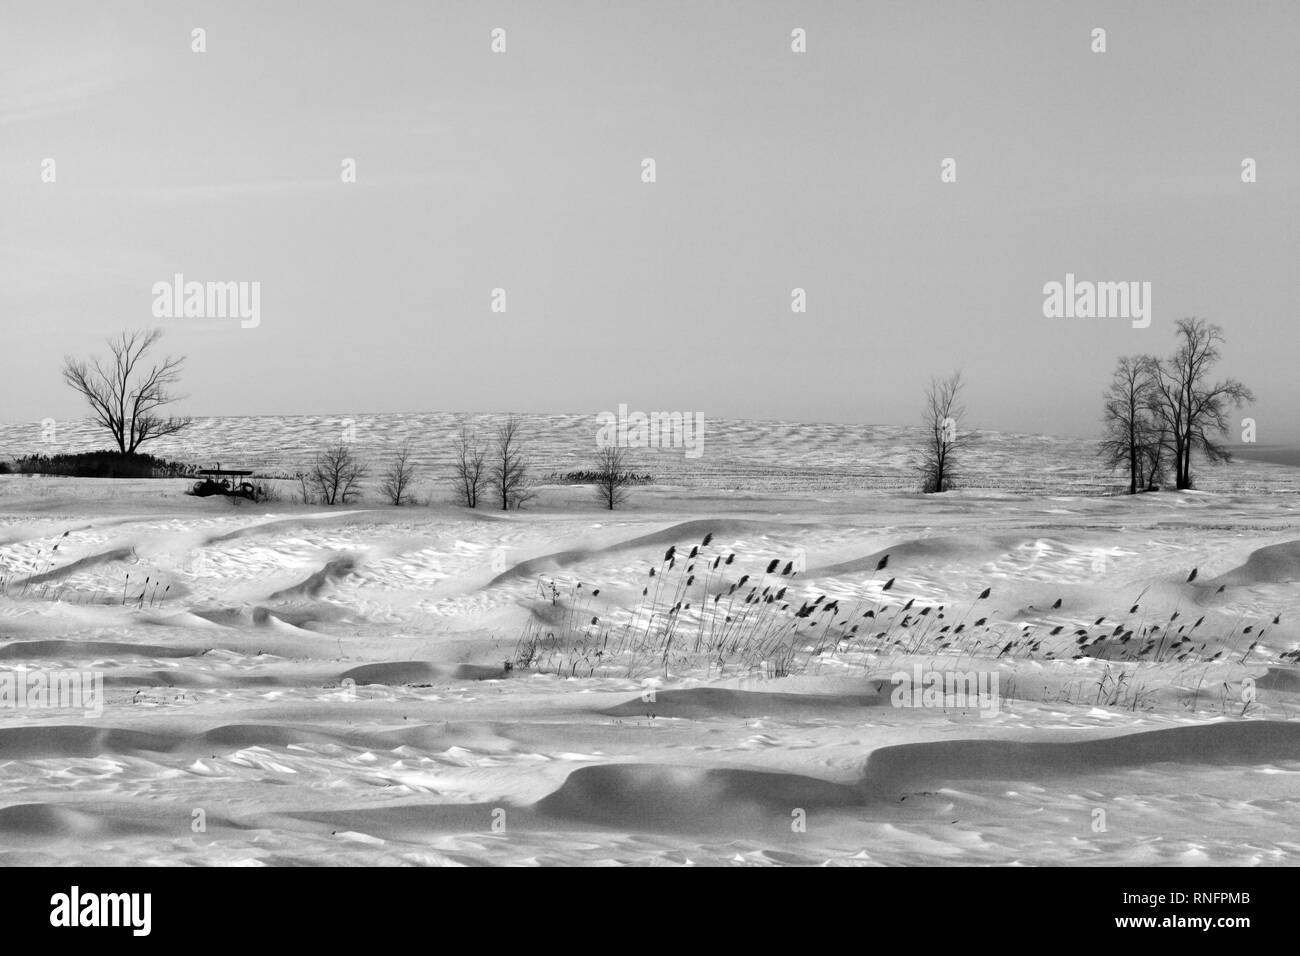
x: 775, y: 170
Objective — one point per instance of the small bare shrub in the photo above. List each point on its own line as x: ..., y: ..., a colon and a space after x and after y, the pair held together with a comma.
x: 612, y: 477
x: 336, y: 476
x: 399, y: 478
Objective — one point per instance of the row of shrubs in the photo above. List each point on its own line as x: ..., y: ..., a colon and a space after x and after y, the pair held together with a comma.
x: 593, y: 477
x: 335, y: 477
x: 99, y: 464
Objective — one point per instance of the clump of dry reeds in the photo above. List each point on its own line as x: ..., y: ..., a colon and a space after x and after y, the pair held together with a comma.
x: 37, y: 584
x: 698, y: 613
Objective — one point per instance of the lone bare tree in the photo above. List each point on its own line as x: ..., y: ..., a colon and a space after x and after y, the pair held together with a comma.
x: 396, y: 483
x: 469, y: 467
x: 124, y: 396
x: 1194, y: 412
x: 1134, y: 436
x: 508, y: 468
x: 612, y: 477
x: 945, y: 435
x: 336, y: 475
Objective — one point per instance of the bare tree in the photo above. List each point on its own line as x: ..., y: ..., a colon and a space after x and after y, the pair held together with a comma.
x: 945, y: 434
x: 336, y: 476
x: 508, y: 468
x: 469, y: 467
x: 125, y: 397
x: 1193, y: 412
x: 1155, y: 455
x: 400, y: 476
x: 1133, y: 438
x: 304, y: 487
x: 612, y: 476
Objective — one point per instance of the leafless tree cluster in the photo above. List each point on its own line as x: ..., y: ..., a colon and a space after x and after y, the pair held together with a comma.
x: 1159, y: 411
x: 1135, y: 437
x: 498, y: 468
x: 469, y: 467
x: 945, y: 436
x: 124, y: 395
x: 336, y: 476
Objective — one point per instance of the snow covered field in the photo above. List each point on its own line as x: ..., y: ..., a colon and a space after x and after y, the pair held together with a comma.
x: 794, y: 457
x: 287, y: 684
